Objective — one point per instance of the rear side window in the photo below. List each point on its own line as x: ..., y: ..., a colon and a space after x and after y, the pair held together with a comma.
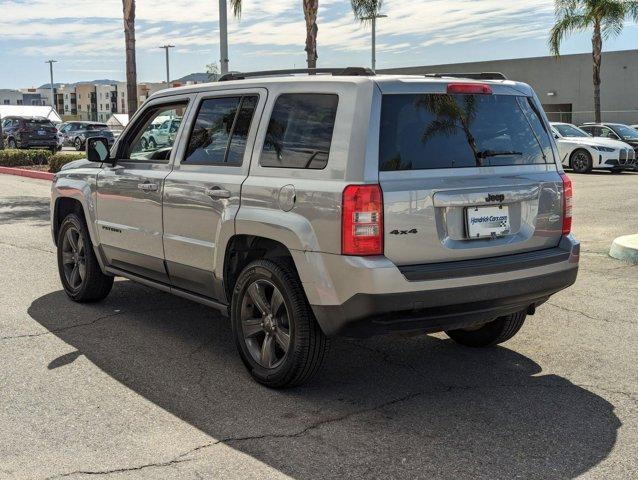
x: 220, y: 132
x: 300, y: 131
x: 454, y: 131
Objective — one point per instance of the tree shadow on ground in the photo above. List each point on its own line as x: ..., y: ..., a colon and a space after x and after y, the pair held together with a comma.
x: 389, y: 407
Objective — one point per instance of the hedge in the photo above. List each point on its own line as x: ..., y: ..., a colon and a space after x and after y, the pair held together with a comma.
x: 24, y: 158
x: 57, y: 161
x: 30, y: 158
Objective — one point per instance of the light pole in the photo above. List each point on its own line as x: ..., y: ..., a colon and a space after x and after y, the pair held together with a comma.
x: 373, y: 21
x: 223, y: 36
x: 168, y: 74
x: 51, y: 62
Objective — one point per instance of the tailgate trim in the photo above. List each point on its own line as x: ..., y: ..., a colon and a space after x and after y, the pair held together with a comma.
x: 470, y: 268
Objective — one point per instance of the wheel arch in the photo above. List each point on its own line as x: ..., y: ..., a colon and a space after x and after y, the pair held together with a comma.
x: 243, y: 249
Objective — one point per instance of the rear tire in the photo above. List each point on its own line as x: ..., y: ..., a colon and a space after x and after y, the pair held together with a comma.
x: 77, y: 144
x: 581, y: 161
x: 80, y: 272
x: 262, y: 329
x: 493, y: 333
x: 11, y: 143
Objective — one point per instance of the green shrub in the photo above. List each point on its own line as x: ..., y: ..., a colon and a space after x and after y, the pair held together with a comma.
x: 24, y: 158
x: 57, y: 161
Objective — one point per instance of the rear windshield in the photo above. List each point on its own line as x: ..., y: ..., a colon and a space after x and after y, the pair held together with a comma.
x: 454, y: 131
x: 41, y: 122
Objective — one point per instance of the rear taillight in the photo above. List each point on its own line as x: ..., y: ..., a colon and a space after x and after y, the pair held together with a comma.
x: 362, y: 220
x: 469, y: 89
x: 567, y: 203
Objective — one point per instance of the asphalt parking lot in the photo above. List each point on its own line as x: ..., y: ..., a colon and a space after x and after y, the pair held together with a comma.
x: 147, y: 385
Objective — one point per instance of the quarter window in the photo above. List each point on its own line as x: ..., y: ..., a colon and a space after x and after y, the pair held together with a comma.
x: 220, y: 132
x: 300, y: 131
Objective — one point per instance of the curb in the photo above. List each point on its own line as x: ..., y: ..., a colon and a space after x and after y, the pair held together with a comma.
x: 625, y: 248
x: 22, y: 172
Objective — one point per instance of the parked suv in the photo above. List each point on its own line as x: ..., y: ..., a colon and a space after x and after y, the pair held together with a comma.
x: 29, y: 132
x: 75, y: 133
x: 329, y: 204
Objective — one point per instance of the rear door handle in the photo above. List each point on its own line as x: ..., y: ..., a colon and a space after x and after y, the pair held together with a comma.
x: 217, y: 192
x: 148, y: 187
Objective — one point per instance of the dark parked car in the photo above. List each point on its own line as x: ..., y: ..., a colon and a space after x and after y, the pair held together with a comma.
x: 75, y: 133
x: 616, y: 131
x: 29, y: 132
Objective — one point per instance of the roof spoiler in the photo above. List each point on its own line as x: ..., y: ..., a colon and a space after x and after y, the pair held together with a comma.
x: 471, y: 76
x: 341, y: 72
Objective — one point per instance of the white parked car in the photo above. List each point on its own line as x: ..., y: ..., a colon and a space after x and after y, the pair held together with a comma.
x: 583, y: 153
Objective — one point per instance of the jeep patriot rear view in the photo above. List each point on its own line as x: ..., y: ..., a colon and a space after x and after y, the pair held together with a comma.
x: 336, y: 203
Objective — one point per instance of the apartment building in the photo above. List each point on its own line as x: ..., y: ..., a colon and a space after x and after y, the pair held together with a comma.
x: 66, y: 101
x: 86, y: 97
x: 106, y: 98
x: 30, y: 96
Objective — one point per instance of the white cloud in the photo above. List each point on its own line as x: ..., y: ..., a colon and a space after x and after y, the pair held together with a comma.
x: 94, y: 27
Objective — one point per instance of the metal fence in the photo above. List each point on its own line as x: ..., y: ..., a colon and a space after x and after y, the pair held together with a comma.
x: 628, y: 117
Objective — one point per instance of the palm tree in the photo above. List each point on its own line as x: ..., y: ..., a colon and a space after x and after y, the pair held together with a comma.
x: 606, y: 17
x: 310, y: 8
x: 367, y: 11
x: 131, y: 68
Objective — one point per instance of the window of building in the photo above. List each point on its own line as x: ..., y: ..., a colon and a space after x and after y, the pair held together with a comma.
x: 300, y: 131
x: 221, y: 131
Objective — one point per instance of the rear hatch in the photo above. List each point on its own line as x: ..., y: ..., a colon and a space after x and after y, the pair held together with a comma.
x: 98, y: 130
x: 41, y: 128
x: 467, y: 171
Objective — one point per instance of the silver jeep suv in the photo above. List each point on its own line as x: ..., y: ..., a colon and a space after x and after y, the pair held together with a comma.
x: 332, y: 203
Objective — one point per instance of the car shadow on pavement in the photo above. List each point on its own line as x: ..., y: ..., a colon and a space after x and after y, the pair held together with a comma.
x: 388, y: 407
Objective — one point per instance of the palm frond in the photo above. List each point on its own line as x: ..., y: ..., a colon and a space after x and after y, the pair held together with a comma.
x: 364, y: 9
x: 236, y: 5
x: 570, y: 22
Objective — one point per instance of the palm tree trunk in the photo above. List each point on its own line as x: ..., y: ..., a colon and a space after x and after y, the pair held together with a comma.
x: 597, y: 52
x: 131, y: 68
x: 310, y: 8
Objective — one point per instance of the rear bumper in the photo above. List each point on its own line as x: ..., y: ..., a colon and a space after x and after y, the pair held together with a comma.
x: 440, y: 297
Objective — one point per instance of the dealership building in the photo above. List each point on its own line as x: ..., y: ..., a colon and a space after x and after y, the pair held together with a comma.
x: 565, y: 84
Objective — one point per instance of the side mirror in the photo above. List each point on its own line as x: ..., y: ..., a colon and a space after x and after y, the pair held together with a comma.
x: 97, y: 149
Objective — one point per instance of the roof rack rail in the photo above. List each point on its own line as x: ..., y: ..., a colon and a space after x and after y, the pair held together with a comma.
x: 472, y: 76
x: 348, y: 71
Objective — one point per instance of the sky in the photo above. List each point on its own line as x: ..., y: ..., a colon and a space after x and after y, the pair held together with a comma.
x: 86, y: 36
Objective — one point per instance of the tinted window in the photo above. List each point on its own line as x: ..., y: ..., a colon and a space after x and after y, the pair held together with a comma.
x: 453, y: 131
x: 209, y: 138
x: 219, y: 134
x: 300, y: 131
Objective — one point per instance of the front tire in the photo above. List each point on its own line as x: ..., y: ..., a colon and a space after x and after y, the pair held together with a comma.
x: 11, y: 144
x: 490, y: 334
x: 581, y: 161
x: 80, y: 272
x: 275, y: 330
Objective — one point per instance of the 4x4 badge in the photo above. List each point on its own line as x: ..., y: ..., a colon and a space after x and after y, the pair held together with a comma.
x: 404, y: 232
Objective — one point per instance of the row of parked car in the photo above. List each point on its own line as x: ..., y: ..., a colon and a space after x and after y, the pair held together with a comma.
x: 39, y: 132
x: 604, y: 146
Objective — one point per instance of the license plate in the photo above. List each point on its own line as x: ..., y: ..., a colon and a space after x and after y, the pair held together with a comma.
x: 488, y: 222
x: 41, y: 132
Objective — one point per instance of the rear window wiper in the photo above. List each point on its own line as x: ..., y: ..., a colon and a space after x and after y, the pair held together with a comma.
x: 497, y: 153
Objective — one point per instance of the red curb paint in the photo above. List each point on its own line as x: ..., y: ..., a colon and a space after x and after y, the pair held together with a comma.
x: 21, y: 172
